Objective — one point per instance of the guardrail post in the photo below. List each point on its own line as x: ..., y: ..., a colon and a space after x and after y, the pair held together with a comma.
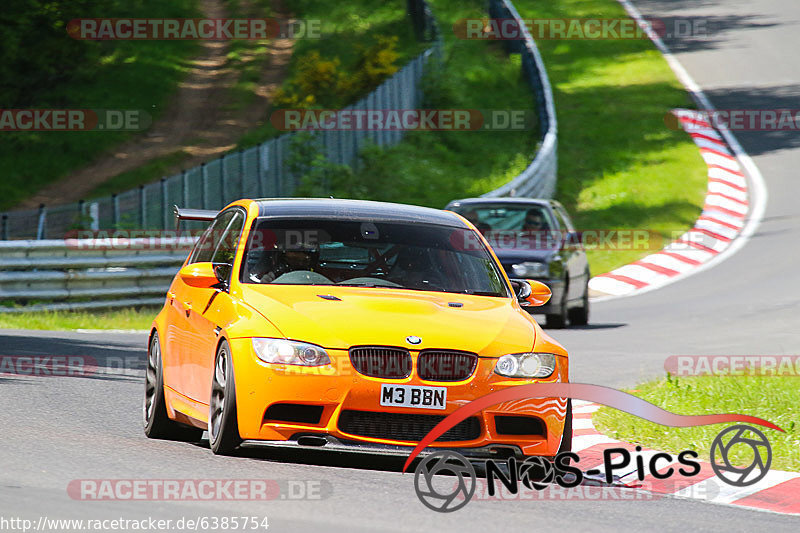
x: 203, y: 186
x: 259, y: 171
x: 223, y: 178
x: 81, y: 212
x: 164, y: 208
x: 5, y: 227
x: 94, y: 214
x: 40, y: 229
x: 279, y: 168
x: 242, y: 172
x: 184, y: 188
x: 114, y: 211
x: 142, y: 207
x: 414, y: 11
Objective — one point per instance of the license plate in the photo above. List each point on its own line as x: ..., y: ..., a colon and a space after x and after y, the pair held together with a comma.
x: 413, y: 396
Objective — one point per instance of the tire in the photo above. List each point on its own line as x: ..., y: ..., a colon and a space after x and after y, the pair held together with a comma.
x: 579, y: 316
x: 223, y: 426
x: 558, y: 320
x: 157, y: 424
x: 566, y: 440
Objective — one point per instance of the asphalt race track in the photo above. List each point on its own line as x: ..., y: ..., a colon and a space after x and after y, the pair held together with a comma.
x: 57, y: 429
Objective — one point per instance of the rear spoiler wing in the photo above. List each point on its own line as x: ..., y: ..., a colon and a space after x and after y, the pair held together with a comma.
x: 204, y: 215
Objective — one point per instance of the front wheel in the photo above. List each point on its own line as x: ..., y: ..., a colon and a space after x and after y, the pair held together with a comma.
x: 223, y: 426
x: 157, y: 424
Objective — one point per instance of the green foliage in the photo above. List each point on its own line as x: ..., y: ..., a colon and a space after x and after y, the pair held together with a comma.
x: 321, y: 82
x: 707, y: 395
x: 38, y: 53
x: 41, y: 66
x: 433, y: 167
x: 359, y: 44
x: 36, y: 50
x: 620, y: 167
x: 316, y: 176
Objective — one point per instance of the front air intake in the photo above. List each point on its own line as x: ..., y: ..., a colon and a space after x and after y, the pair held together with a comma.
x: 294, y: 412
x: 405, y: 427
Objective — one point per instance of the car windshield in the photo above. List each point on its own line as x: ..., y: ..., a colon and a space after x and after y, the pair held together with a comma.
x: 528, y: 226
x: 366, y: 254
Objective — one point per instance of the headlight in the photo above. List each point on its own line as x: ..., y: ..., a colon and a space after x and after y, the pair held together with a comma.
x: 530, y: 269
x: 526, y: 365
x: 285, y: 352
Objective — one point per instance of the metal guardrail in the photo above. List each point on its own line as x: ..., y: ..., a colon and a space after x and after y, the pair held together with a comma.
x: 85, y: 274
x: 538, y: 180
x: 90, y: 273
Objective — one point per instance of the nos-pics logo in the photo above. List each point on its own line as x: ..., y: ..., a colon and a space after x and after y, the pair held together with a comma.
x: 446, y: 481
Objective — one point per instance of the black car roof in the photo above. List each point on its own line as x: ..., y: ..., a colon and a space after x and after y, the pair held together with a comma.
x: 361, y: 210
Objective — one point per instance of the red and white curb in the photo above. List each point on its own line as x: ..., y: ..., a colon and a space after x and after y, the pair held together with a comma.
x: 777, y: 492
x: 722, y: 220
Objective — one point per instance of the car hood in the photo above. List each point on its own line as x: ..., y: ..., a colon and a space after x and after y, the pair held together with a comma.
x: 373, y: 316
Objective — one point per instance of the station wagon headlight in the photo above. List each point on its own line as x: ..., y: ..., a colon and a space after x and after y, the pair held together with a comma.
x: 530, y: 269
x: 286, y: 352
x: 526, y: 365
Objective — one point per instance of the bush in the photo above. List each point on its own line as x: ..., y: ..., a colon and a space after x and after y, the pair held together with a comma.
x: 321, y: 82
x: 316, y: 176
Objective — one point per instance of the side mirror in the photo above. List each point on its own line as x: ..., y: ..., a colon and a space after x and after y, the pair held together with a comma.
x: 530, y: 292
x: 201, y: 275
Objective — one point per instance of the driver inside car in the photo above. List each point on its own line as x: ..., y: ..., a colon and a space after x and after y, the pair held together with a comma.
x: 275, y: 264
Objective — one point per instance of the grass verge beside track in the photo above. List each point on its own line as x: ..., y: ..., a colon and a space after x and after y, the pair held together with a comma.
x: 133, y: 318
x: 620, y: 167
x: 772, y: 398
x: 431, y: 168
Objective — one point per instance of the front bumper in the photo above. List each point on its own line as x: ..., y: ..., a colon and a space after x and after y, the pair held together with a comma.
x: 333, y: 445
x: 337, y: 387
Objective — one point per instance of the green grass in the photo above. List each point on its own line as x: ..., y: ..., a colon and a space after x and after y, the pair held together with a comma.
x: 346, y: 29
x: 128, y: 75
x: 431, y: 168
x: 247, y: 57
x: 153, y: 169
x: 620, y: 167
x: 133, y: 318
x: 775, y: 399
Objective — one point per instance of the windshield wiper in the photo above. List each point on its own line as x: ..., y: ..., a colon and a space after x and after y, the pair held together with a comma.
x: 371, y: 285
x: 481, y: 293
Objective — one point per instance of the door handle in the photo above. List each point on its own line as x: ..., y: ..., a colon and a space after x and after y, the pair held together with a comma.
x: 170, y: 295
x: 187, y: 306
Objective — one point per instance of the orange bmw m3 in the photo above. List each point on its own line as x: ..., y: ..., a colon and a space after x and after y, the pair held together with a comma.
x: 353, y: 326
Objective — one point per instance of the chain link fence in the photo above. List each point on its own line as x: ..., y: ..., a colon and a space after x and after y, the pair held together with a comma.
x: 46, y: 272
x: 260, y: 171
